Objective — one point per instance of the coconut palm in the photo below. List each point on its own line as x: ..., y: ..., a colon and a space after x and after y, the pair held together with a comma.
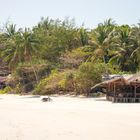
x: 102, y: 39
x: 11, y: 51
x: 20, y: 48
x: 135, y: 37
x: 124, y: 48
x: 30, y: 47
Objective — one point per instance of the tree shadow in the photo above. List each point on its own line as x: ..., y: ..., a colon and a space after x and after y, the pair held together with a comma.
x: 28, y: 97
x: 100, y: 100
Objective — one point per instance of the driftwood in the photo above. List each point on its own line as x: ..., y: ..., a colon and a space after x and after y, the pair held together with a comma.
x: 46, y: 99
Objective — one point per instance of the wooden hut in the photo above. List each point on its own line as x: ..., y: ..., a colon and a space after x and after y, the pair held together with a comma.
x: 125, y: 88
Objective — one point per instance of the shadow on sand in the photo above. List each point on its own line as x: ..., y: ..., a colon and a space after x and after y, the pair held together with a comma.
x: 100, y: 100
x: 31, y: 96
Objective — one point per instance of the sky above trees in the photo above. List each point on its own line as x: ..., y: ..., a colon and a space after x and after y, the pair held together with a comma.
x: 90, y: 12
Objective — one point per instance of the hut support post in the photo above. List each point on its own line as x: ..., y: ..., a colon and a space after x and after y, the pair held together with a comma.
x: 114, y: 92
x: 135, y: 91
x: 107, y: 95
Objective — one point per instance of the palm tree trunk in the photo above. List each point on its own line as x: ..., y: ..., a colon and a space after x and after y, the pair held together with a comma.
x: 35, y: 73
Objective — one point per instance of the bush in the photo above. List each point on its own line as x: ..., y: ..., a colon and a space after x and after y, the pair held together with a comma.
x: 7, y: 89
x: 56, y: 82
x: 79, y: 81
x: 87, y: 76
x: 28, y: 76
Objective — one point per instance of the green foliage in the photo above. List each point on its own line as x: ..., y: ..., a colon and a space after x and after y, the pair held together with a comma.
x: 79, y: 81
x: 72, y: 59
x: 26, y: 77
x: 80, y: 56
x: 56, y: 82
x: 84, y: 37
x: 88, y: 75
x: 56, y: 37
x: 7, y: 89
x: 18, y: 89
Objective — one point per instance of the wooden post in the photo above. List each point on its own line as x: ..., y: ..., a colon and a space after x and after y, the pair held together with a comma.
x: 114, y: 92
x: 107, y: 90
x: 109, y: 87
x: 135, y: 91
x: 114, y: 89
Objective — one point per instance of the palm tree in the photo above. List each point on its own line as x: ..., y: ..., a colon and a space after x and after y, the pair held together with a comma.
x: 123, y: 49
x: 135, y: 37
x: 29, y: 47
x: 9, y: 30
x: 20, y: 48
x: 102, y: 39
x: 83, y: 36
x: 11, y: 51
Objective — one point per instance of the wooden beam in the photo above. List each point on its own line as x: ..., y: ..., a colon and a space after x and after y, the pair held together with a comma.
x: 135, y: 91
x: 114, y: 90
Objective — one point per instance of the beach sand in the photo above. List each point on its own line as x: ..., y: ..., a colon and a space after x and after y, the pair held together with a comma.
x: 67, y: 118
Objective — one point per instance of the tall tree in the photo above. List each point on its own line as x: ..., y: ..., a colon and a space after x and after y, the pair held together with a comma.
x: 135, y: 37
x: 101, y: 40
x: 124, y: 48
x: 21, y: 47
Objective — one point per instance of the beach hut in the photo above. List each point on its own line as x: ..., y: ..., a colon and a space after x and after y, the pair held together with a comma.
x: 125, y: 88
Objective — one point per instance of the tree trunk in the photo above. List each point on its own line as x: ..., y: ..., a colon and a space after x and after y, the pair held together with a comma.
x: 35, y: 73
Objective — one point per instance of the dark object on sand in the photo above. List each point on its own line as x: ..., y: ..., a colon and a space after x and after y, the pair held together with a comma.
x: 46, y: 99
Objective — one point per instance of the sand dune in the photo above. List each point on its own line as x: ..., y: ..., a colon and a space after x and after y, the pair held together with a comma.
x: 67, y: 118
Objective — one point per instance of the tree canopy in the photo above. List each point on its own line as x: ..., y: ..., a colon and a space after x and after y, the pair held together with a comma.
x: 62, y: 46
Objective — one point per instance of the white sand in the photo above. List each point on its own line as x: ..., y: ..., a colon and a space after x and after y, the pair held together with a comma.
x: 67, y: 118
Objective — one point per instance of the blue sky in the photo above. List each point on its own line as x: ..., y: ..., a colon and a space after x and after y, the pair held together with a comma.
x: 91, y: 12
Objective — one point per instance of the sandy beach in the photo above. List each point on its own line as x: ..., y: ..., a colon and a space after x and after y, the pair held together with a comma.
x: 67, y: 118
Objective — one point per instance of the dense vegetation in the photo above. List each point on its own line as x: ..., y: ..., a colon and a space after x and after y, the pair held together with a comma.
x: 59, y: 57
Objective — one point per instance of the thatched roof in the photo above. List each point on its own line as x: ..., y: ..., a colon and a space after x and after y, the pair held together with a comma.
x: 104, y: 83
x: 134, y: 78
x: 125, y: 79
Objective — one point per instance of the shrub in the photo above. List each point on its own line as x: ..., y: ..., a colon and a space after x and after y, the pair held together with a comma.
x: 7, y: 89
x: 87, y: 76
x: 56, y: 82
x: 79, y: 81
x: 28, y: 76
